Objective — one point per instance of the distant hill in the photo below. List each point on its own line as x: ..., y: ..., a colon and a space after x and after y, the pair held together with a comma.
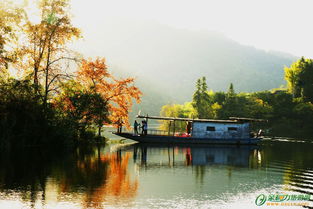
x: 167, y: 62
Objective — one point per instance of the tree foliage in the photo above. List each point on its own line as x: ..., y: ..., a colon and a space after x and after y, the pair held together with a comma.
x: 179, y: 111
x: 23, y: 121
x: 50, y: 94
x: 117, y: 93
x: 45, y: 52
x: 85, y: 109
x: 299, y: 77
x: 10, y: 18
x: 201, y: 99
x: 287, y: 115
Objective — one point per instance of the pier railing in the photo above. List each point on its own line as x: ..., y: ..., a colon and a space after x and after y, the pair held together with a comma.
x: 158, y: 132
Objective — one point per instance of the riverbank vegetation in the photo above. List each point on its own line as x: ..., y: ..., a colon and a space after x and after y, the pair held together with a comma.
x: 289, y: 110
x: 50, y: 94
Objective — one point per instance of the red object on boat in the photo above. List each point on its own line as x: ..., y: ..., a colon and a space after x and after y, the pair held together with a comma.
x: 182, y: 135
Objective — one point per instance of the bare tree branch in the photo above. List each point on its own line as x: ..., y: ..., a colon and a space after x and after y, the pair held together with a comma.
x: 62, y: 58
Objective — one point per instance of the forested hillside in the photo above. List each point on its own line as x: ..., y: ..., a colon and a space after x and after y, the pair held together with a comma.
x: 168, y: 62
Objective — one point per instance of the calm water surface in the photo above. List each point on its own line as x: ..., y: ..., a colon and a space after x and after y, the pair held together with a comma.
x: 133, y: 176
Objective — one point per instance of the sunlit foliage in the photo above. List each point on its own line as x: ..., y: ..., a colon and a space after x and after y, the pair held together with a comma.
x: 287, y: 115
x: 10, y: 18
x: 179, y: 111
x: 67, y: 91
x: 117, y: 93
x: 45, y: 53
x: 300, y: 79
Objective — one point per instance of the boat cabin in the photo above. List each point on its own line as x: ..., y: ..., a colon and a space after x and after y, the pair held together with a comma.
x: 234, y: 128
x: 221, y: 129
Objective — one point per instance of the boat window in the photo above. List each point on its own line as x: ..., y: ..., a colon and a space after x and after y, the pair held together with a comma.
x: 210, y: 159
x: 210, y: 128
x: 232, y: 128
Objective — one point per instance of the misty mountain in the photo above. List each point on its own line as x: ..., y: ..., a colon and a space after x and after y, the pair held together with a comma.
x: 167, y: 62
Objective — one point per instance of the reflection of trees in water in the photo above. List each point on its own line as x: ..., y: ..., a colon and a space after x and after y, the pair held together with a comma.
x: 118, y: 185
x: 23, y: 171
x: 294, y: 160
x: 200, y: 158
x: 88, y: 172
x: 200, y: 171
x: 255, y: 159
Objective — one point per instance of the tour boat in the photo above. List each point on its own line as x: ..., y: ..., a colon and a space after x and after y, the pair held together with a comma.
x: 198, y: 131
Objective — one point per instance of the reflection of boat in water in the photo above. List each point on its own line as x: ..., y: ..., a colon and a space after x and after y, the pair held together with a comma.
x: 151, y: 156
x: 221, y: 156
x: 198, y: 131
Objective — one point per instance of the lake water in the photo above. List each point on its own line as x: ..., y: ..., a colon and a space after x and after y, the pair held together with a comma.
x: 133, y: 176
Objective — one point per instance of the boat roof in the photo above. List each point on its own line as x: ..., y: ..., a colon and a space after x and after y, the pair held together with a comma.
x: 231, y: 119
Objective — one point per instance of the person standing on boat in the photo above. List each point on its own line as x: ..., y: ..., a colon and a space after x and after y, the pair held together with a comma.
x: 260, y: 133
x: 144, y: 127
x: 136, y: 128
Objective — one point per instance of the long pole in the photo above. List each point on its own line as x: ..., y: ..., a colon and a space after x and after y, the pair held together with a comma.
x: 169, y: 128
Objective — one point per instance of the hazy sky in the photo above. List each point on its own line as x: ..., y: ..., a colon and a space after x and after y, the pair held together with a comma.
x: 283, y: 25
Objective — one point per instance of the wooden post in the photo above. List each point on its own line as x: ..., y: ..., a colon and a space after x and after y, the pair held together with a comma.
x: 174, y: 129
x: 147, y: 124
x: 192, y: 123
x: 169, y: 128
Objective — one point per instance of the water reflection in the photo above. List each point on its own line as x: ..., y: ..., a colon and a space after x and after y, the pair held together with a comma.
x: 245, y: 156
x: 199, y: 158
x: 89, y: 178
x: 144, y: 176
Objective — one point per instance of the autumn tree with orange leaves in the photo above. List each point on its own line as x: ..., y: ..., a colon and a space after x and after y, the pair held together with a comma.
x: 45, y: 54
x: 96, y: 97
x: 117, y: 93
x: 50, y: 99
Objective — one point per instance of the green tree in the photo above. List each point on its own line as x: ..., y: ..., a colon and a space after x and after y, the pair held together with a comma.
x: 201, y: 99
x: 299, y: 77
x: 219, y: 97
x: 83, y: 107
x: 22, y: 121
x: 231, y: 90
x: 231, y: 106
x: 179, y: 111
